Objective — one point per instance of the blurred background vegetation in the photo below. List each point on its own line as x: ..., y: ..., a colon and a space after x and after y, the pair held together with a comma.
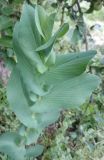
x: 78, y: 134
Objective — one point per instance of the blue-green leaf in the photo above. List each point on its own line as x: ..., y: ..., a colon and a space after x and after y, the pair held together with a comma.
x: 34, y: 151
x: 44, y: 22
x: 9, y: 144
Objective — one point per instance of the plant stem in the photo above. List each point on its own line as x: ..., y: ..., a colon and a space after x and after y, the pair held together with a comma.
x: 85, y: 37
x: 62, y: 17
x: 85, y: 31
x: 28, y: 1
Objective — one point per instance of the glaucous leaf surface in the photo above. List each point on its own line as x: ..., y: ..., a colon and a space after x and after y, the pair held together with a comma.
x: 43, y: 83
x: 43, y: 89
x: 12, y: 145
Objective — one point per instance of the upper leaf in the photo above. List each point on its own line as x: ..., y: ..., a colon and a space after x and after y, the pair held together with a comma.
x: 44, y: 22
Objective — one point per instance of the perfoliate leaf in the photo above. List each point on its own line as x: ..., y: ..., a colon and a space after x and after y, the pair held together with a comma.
x: 67, y: 66
x: 34, y: 151
x: 67, y: 94
x: 12, y: 145
x: 9, y: 146
x: 22, y: 111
